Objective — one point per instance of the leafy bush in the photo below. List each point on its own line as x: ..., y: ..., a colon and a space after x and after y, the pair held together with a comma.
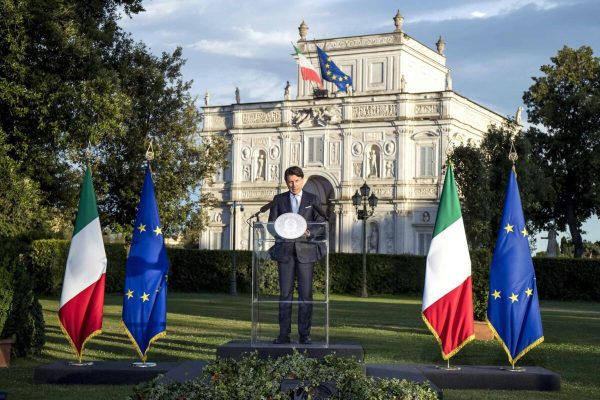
x: 6, y: 295
x: 480, y: 274
x: 254, y: 378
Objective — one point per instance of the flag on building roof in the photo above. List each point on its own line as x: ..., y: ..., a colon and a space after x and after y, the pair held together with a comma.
x: 145, y: 291
x: 82, y: 297
x: 447, y: 298
x: 307, y: 70
x: 330, y: 72
x: 513, y: 308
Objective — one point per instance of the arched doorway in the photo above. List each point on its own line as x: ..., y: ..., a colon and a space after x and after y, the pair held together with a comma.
x: 323, y: 189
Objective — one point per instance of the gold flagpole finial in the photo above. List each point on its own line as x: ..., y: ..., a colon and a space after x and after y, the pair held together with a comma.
x: 88, y: 153
x: 150, y: 152
x: 512, y: 154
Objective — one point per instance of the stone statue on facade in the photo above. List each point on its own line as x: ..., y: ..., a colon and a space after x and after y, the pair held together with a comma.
x: 402, y: 84
x: 349, y: 90
x: 518, y: 115
x: 389, y: 169
x: 373, y: 164
x: 448, y: 80
x: 237, y: 95
x: 246, y: 172
x: 441, y: 46
x: 286, y: 91
x: 206, y: 98
x: 260, y: 167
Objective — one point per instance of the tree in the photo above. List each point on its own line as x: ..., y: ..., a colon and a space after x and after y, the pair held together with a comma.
x: 71, y: 78
x: 481, y: 175
x: 565, y: 101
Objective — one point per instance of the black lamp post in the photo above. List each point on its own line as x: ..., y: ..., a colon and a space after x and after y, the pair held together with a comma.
x: 233, y: 277
x: 364, y: 214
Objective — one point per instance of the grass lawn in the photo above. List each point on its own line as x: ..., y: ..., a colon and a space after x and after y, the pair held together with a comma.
x: 389, y: 328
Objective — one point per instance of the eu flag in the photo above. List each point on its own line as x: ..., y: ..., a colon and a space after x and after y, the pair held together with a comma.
x: 145, y: 291
x: 513, y: 308
x: 330, y: 72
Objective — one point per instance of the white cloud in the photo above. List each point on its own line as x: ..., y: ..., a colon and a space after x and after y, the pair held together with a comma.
x: 248, y: 43
x: 489, y: 9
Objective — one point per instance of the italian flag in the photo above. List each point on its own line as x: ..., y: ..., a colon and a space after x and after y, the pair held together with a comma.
x: 447, y: 297
x: 307, y: 70
x: 82, y: 297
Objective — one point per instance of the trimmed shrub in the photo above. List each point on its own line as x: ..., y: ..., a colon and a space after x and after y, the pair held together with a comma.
x: 254, y: 378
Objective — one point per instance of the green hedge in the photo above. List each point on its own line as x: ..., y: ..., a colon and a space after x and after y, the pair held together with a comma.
x: 209, y: 270
x: 21, y: 314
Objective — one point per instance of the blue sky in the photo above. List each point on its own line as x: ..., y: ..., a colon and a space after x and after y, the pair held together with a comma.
x: 492, y: 47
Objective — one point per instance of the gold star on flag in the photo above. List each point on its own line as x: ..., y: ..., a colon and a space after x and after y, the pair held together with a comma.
x: 529, y: 292
x: 514, y: 297
x: 346, y: 77
x: 157, y: 231
x: 508, y: 228
x: 326, y: 65
x: 328, y: 59
x: 328, y: 72
x: 524, y: 232
x: 340, y: 79
x: 129, y: 294
x: 144, y: 297
x: 496, y: 294
x: 142, y: 228
x: 334, y: 77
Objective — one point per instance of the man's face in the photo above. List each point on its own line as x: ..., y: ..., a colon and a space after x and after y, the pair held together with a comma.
x: 294, y: 183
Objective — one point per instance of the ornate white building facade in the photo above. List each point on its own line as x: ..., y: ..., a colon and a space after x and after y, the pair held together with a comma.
x: 392, y: 131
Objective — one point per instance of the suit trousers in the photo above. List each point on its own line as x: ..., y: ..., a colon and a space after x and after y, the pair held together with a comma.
x: 288, y: 272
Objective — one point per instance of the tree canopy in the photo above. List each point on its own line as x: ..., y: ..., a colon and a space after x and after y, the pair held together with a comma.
x: 564, y: 105
x: 71, y: 78
x: 482, y: 173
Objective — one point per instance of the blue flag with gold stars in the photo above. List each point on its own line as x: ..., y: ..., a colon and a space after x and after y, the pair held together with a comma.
x: 513, y: 308
x: 330, y: 72
x: 145, y: 291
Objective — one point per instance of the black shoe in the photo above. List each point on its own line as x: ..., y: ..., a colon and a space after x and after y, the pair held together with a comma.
x: 281, y: 340
x: 305, y: 340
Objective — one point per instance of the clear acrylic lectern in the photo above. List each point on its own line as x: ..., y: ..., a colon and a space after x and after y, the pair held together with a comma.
x: 265, y: 286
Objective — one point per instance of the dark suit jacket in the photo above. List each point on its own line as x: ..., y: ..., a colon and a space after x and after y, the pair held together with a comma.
x: 307, y: 250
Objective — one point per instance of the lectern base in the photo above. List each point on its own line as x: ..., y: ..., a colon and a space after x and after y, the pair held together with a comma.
x: 237, y: 348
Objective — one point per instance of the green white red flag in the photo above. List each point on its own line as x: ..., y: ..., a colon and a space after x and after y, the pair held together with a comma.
x: 448, y: 295
x: 307, y: 70
x: 82, y: 298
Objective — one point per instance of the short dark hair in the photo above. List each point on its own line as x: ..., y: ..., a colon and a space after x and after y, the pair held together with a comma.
x: 295, y: 170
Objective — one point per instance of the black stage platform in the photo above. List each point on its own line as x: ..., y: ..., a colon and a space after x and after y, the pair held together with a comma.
x: 471, y: 376
x: 99, y: 373
x: 467, y: 377
x: 237, y: 348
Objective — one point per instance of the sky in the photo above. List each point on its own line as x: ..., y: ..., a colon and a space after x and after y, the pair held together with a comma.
x: 493, y: 48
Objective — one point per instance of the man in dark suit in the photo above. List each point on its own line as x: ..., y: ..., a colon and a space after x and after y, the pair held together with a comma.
x: 296, y: 258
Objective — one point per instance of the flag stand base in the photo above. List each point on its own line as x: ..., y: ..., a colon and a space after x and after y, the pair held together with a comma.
x: 144, y: 364
x: 81, y: 363
x: 448, y: 368
x: 514, y: 369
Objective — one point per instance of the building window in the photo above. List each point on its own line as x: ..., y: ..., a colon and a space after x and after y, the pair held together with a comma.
x: 426, y: 161
x: 315, y: 150
x: 423, y: 243
x: 215, y: 240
